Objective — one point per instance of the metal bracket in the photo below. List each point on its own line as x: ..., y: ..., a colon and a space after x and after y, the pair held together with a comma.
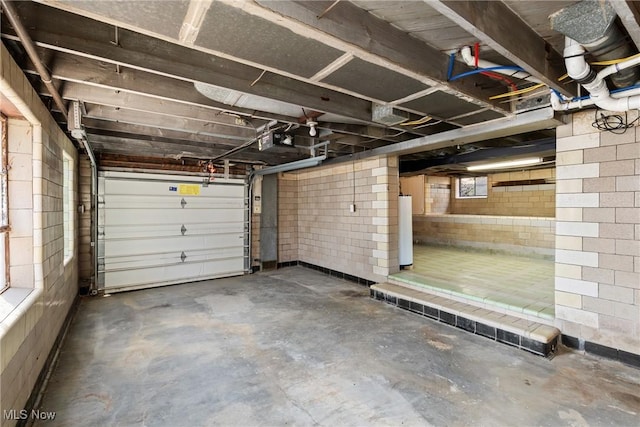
x: 183, y: 203
x: 183, y: 256
x: 183, y: 229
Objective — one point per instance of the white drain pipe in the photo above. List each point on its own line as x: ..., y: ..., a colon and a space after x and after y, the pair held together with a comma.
x: 595, y: 83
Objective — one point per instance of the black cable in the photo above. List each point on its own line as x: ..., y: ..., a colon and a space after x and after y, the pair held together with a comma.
x: 613, y: 123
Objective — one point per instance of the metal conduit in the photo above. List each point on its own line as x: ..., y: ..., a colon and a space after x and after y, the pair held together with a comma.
x: 29, y: 46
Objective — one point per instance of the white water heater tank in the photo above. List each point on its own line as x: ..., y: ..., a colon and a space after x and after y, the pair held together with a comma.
x: 405, y: 226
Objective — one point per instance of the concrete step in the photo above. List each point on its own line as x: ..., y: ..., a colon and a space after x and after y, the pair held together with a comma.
x: 525, y: 334
x: 527, y: 313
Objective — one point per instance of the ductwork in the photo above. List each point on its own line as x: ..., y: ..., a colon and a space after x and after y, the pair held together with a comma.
x: 591, y: 23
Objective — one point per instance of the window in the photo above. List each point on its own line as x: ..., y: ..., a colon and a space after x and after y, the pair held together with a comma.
x: 67, y: 203
x: 472, y: 187
x: 4, y: 215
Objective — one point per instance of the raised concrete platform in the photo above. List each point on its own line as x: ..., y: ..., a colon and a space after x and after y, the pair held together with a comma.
x: 525, y: 334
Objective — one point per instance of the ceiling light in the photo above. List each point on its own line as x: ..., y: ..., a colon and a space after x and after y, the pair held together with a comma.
x: 312, y: 127
x: 506, y: 164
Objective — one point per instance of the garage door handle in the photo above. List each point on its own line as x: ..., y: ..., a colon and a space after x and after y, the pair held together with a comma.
x: 183, y: 202
x: 183, y: 256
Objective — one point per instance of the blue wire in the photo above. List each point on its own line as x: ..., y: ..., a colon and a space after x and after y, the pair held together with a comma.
x: 452, y: 58
x: 582, y: 98
x: 480, y: 70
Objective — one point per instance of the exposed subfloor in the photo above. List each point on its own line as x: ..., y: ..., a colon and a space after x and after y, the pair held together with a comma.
x: 514, y: 282
x: 295, y: 346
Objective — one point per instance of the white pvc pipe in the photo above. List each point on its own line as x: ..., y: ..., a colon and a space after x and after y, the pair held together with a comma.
x: 470, y: 60
x: 578, y: 70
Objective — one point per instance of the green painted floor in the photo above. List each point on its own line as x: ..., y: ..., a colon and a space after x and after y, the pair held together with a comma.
x: 516, y: 283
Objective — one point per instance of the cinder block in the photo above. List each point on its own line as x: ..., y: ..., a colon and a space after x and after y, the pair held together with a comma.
x: 575, y: 315
x: 586, y: 259
x: 599, y: 185
x: 616, y: 262
x: 616, y: 325
x: 566, y: 242
x: 628, y: 183
x: 577, y: 200
x: 600, y: 245
x: 627, y: 247
x: 569, y: 271
x: 589, y: 170
x: 570, y: 186
x: 628, y: 151
x: 627, y: 279
x: 574, y: 286
x: 601, y: 154
x: 597, y: 305
x: 626, y: 311
x: 599, y: 214
x: 628, y: 216
x: 575, y: 157
x: 568, y: 299
x: 616, y: 231
x: 572, y: 214
x: 619, y: 199
x: 617, y: 168
x: 578, y: 142
x: 610, y: 138
x: 616, y: 293
x: 583, y: 229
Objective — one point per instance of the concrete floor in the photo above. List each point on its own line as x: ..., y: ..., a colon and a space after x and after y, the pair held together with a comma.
x: 294, y: 346
x: 514, y: 282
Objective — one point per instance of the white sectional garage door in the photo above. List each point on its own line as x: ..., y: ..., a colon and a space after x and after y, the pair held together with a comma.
x: 156, y: 230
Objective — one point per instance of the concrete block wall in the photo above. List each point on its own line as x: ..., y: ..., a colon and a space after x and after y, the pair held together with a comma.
x: 598, y: 233
x: 363, y: 243
x: 287, y: 218
x: 520, y: 235
x: 437, y: 194
x: 43, y: 289
x: 519, y: 200
x: 20, y: 164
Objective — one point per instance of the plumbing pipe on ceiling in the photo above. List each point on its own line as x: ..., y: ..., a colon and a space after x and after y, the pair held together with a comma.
x: 470, y: 60
x: 29, y: 47
x: 580, y: 71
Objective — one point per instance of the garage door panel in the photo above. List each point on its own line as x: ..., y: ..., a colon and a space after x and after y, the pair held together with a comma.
x: 168, y: 216
x: 149, y: 238
x: 171, y: 202
x: 160, y: 259
x: 168, y: 230
x: 152, y: 245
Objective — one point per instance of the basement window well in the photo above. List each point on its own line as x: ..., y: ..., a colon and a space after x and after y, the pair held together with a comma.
x: 471, y: 187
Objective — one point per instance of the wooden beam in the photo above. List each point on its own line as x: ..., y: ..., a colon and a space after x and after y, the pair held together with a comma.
x: 373, y: 39
x: 494, y: 24
x: 140, y: 102
x: 629, y: 13
x: 85, y: 71
x: 162, y: 121
x: 63, y: 31
x: 136, y: 146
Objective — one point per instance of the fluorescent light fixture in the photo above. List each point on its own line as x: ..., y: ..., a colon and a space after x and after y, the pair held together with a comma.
x: 506, y: 164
